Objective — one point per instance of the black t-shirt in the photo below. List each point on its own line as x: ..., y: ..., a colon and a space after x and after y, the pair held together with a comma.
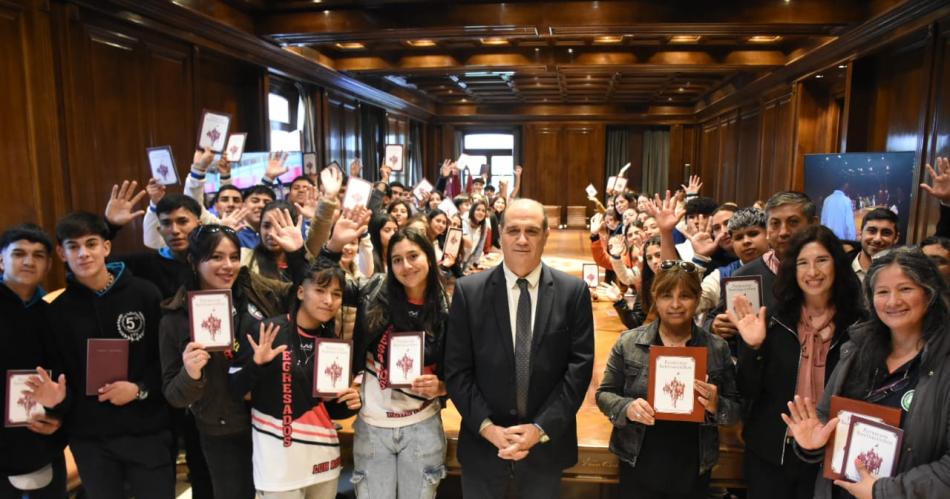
x: 896, y: 389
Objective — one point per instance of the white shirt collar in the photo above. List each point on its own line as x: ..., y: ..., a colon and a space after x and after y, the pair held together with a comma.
x: 533, y: 277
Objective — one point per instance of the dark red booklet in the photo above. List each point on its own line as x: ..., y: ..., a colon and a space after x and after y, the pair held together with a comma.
x: 107, y: 361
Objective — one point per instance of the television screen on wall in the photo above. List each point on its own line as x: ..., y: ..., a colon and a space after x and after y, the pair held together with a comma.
x: 846, y: 186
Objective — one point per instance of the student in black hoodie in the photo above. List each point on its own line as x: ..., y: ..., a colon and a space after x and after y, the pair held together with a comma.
x: 121, y: 435
x: 30, y: 455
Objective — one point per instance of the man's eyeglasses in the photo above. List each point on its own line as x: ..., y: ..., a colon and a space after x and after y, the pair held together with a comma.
x: 688, y: 267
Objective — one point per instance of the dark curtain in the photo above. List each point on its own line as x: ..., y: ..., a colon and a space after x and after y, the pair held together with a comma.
x: 371, y: 132
x: 656, y: 160
x: 415, y: 170
x: 617, y: 151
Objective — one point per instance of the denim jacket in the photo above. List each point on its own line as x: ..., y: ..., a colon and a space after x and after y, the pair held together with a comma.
x: 625, y: 379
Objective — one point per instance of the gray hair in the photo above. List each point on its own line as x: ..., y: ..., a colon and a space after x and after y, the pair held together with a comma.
x: 746, y: 217
x: 791, y: 197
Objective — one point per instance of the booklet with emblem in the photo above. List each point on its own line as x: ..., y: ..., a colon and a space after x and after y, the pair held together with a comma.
x: 209, y: 314
x: 453, y: 242
x: 875, y: 444
x: 20, y: 406
x: 591, y: 191
x: 162, y: 163
x: 235, y: 147
x: 107, y: 361
x: 358, y: 192
x: 394, y: 154
x: 448, y: 206
x: 748, y: 286
x: 621, y: 184
x: 405, y: 358
x: 309, y: 163
x: 214, y: 130
x: 591, y: 274
x: 611, y: 182
x: 332, y: 372
x: 846, y: 410
x: 422, y: 189
x: 671, y: 386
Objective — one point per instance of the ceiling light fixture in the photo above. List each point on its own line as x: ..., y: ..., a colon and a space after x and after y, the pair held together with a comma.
x: 842, y: 66
x: 608, y: 39
x: 421, y: 43
x: 819, y: 76
x: 350, y: 45
x: 494, y: 41
x: 570, y: 51
x: 685, y: 38
x: 764, y: 38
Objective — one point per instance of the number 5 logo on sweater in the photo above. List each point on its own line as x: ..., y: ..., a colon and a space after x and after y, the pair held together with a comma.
x: 131, y: 325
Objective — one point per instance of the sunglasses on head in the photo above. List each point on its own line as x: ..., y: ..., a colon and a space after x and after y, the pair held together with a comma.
x: 211, y: 229
x: 689, y: 267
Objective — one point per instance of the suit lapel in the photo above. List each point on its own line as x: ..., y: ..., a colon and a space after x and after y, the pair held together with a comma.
x: 546, y: 296
x: 499, y: 298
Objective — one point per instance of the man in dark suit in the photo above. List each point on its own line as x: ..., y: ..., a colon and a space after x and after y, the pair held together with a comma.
x: 518, y: 361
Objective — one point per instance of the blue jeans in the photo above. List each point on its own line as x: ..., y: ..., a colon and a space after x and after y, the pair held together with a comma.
x: 407, y: 462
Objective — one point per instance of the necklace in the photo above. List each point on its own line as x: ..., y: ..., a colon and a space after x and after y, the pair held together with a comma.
x: 108, y: 284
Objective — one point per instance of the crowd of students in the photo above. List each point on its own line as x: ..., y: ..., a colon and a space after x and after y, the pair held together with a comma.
x: 864, y: 318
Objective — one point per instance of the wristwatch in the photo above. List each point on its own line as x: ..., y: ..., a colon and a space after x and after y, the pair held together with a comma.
x: 544, y: 438
x: 143, y: 392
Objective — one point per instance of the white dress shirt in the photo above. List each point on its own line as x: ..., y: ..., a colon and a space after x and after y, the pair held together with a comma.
x: 514, y: 294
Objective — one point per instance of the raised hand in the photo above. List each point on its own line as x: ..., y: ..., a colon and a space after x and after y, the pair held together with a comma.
x: 703, y: 242
x: 287, y: 234
x: 616, y: 246
x: 664, y: 211
x: 308, y: 208
x: 235, y: 219
x: 275, y: 165
x: 384, y: 172
x: 349, y: 227
x: 803, y: 424
x: 155, y: 190
x: 610, y: 292
x: 122, y: 201
x: 595, y: 222
x: 356, y: 168
x: 264, y: 352
x: 940, y: 179
x: 695, y: 184
x: 446, y: 169
x: 44, y: 390
x: 202, y: 160
x: 331, y: 181
x: 194, y: 359
x: 751, y: 325
x: 518, y: 170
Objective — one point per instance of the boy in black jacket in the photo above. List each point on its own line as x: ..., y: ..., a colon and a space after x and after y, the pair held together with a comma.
x: 31, y: 457
x: 122, y: 434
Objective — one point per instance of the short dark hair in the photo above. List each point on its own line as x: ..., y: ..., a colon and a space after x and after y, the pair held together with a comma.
x: 172, y: 202
x: 227, y: 187
x: 701, y: 206
x: 397, y: 184
x: 478, y: 180
x: 26, y: 232
x: 302, y: 178
x: 942, y: 241
x: 880, y: 214
x: 259, y: 190
x: 490, y: 187
x: 79, y: 224
x: 461, y: 198
x: 322, y: 271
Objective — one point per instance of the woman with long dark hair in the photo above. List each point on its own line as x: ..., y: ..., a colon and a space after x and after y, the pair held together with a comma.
x: 268, y: 258
x: 381, y: 229
x: 476, y: 227
x: 400, y: 211
x: 197, y: 379
x: 896, y: 358
x: 498, y: 207
x: 637, y: 315
x: 818, y: 298
x: 399, y: 444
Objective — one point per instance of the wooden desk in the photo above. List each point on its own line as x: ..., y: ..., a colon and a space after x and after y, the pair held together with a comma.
x: 596, y: 464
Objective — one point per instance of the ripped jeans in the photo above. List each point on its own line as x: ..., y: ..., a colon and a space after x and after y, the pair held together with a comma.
x: 407, y: 462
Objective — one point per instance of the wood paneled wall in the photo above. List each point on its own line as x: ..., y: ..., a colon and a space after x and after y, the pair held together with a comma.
x: 560, y: 159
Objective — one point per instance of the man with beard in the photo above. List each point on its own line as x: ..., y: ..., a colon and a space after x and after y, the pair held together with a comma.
x: 878, y: 233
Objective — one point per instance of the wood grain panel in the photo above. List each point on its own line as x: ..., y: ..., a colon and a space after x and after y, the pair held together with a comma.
x: 708, y: 168
x: 728, y: 150
x: 542, y: 146
x: 583, y: 154
x: 748, y: 168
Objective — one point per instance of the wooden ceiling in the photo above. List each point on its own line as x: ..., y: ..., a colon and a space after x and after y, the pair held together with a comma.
x: 638, y: 54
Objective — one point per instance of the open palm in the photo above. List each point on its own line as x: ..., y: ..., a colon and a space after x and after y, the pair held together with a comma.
x: 751, y: 324
x: 264, y: 352
x: 803, y: 424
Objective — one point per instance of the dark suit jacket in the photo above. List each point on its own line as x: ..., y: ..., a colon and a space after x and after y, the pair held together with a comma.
x: 480, y: 364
